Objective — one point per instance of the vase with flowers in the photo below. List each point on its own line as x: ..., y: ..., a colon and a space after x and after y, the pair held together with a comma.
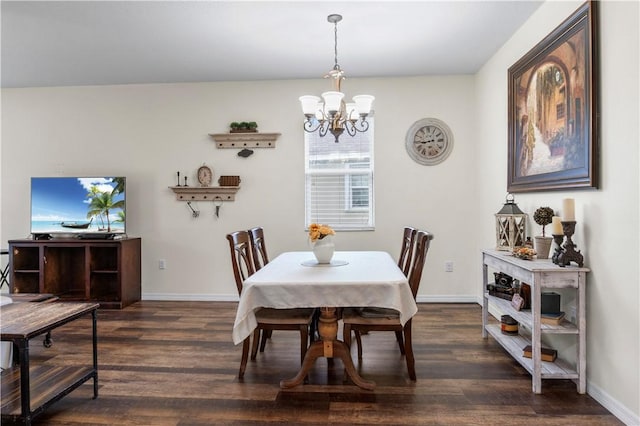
x: 543, y: 217
x: 321, y: 239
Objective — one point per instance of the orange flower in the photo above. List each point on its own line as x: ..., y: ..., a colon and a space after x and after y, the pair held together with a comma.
x: 318, y: 231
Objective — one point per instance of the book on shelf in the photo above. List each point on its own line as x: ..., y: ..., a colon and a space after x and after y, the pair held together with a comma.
x: 552, y: 319
x: 547, y: 354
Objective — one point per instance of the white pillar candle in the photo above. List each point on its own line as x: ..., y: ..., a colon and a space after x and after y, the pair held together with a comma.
x: 568, y: 210
x: 556, y: 225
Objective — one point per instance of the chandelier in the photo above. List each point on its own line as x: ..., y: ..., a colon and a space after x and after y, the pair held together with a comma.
x: 331, y: 113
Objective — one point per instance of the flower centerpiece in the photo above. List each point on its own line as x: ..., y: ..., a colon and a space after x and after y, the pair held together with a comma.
x: 543, y: 217
x: 321, y: 238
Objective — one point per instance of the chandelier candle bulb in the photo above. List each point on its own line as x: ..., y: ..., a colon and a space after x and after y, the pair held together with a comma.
x: 556, y: 225
x: 568, y: 210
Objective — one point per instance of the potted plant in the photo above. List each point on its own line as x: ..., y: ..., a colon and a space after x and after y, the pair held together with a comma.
x: 234, y: 126
x: 543, y: 217
x: 252, y: 126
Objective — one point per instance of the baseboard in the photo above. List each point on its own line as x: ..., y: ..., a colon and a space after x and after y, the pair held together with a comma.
x: 180, y: 297
x: 623, y: 414
x: 446, y: 299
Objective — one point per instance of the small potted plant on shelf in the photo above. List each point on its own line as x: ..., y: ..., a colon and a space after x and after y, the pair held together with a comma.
x: 234, y: 126
x: 543, y: 217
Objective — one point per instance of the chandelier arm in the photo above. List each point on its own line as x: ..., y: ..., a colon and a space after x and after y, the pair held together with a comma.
x: 309, y: 127
x: 362, y: 123
x: 350, y: 127
x: 323, y: 128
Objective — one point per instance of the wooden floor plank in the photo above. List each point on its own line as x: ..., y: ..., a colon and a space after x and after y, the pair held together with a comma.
x: 173, y: 363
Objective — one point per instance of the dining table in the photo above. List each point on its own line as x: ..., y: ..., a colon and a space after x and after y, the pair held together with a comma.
x: 351, y: 279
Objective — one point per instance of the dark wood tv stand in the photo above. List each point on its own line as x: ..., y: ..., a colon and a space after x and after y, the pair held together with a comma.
x: 103, y: 271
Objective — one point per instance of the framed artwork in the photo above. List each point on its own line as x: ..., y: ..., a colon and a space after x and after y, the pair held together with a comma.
x: 553, y: 109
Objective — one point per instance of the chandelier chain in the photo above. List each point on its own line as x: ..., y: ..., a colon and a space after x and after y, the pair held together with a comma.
x: 335, y: 46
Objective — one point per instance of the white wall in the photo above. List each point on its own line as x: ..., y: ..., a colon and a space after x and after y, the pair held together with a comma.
x: 148, y: 132
x: 608, y: 219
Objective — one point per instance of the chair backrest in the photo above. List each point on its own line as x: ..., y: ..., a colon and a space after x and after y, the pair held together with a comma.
x: 240, y: 247
x: 423, y: 241
x: 258, y: 247
x: 406, y: 252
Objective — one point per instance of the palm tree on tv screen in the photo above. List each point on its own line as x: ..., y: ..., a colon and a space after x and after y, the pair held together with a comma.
x: 102, y: 203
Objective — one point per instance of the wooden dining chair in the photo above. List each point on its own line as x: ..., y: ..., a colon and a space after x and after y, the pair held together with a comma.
x: 267, y: 318
x: 406, y: 251
x: 258, y: 247
x: 379, y: 319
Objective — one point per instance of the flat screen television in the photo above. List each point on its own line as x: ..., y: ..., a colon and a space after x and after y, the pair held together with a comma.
x: 91, y: 207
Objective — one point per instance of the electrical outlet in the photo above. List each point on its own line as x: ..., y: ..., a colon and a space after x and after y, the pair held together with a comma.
x: 448, y: 266
x: 162, y: 264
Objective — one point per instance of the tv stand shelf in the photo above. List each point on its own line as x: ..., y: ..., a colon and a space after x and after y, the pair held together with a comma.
x: 103, y: 271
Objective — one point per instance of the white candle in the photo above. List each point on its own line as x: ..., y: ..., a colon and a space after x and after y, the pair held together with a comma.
x: 568, y: 210
x: 556, y: 225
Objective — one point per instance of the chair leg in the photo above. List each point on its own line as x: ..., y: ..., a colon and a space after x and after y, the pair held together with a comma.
x: 408, y: 348
x: 254, y: 346
x: 245, y: 355
x: 266, y: 334
x: 346, y: 334
x: 359, y: 343
x: 400, y: 341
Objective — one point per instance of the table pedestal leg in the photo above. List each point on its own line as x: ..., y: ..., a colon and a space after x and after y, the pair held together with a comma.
x: 328, y: 347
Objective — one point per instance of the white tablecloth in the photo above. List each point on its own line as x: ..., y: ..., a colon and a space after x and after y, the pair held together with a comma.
x: 370, y: 278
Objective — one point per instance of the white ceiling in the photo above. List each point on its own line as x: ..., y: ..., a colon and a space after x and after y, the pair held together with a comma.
x: 62, y: 43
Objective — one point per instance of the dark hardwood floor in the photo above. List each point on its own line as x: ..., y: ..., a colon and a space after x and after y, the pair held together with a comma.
x: 173, y: 363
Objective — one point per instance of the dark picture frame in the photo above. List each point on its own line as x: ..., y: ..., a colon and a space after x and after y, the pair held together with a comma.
x: 553, y: 109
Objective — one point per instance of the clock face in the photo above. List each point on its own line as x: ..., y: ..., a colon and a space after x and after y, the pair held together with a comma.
x: 205, y: 176
x: 429, y: 141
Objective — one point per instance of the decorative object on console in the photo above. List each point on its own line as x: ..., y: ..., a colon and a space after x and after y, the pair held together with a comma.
x: 550, y: 303
x: 547, y: 354
x: 553, y: 102
x: 543, y: 216
x: 511, y: 223
x: 525, y: 253
x: 569, y: 252
x: 508, y: 325
x: 333, y: 115
x: 429, y: 141
x: 517, y: 302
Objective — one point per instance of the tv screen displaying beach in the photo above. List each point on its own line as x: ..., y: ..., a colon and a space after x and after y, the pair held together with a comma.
x: 77, y: 205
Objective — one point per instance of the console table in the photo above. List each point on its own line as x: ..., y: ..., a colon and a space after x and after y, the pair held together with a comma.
x: 27, y: 392
x: 539, y: 274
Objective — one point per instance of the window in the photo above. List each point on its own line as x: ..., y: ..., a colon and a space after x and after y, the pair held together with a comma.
x: 339, y: 180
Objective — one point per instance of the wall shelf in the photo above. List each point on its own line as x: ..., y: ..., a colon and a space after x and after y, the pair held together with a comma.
x: 207, y: 193
x: 245, y: 140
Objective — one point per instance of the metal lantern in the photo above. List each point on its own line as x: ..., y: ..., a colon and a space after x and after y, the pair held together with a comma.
x: 511, y: 223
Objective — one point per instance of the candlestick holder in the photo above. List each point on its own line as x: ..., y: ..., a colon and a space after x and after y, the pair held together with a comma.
x: 558, y: 239
x: 570, y: 254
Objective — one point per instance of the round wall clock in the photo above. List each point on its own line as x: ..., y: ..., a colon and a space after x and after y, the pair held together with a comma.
x: 205, y: 176
x: 429, y: 141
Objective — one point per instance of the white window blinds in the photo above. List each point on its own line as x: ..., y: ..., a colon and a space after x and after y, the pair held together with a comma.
x: 339, y: 180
